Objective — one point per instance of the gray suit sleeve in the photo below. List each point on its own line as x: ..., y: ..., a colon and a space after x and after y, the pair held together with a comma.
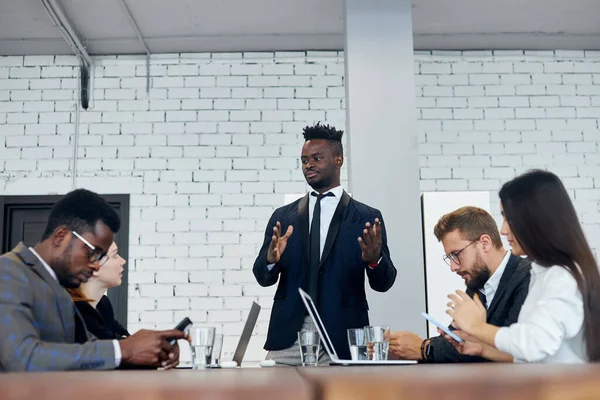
x: 21, y: 348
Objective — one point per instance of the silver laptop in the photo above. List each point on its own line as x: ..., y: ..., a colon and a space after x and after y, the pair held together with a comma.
x: 238, y: 356
x: 314, y: 315
x: 245, y: 337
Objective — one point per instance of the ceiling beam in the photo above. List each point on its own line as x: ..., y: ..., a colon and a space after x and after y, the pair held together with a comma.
x: 66, y: 29
x: 136, y: 28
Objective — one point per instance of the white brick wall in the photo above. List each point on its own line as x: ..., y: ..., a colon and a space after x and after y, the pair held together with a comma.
x: 485, y: 118
x: 213, y: 148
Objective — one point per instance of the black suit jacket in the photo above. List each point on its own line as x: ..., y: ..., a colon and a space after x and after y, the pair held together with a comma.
x: 504, y: 310
x: 99, y: 321
x: 342, y: 301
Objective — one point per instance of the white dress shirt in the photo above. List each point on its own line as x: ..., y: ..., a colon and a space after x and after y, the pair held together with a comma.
x: 328, y: 206
x: 491, y: 286
x: 550, y: 324
x: 53, y: 275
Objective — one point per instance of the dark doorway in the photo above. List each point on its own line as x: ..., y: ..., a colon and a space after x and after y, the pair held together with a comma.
x: 23, y: 219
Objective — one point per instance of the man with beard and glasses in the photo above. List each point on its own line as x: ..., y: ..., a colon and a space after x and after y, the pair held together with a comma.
x: 37, y: 315
x: 474, y: 251
x: 324, y: 243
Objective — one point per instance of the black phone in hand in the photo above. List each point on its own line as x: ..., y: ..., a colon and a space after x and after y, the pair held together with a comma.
x: 183, y: 326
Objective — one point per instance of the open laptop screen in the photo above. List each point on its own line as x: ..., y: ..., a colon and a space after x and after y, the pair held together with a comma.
x: 314, y: 315
x: 238, y: 356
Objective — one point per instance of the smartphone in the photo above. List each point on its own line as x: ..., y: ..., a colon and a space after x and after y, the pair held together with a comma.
x: 183, y: 326
x: 442, y: 327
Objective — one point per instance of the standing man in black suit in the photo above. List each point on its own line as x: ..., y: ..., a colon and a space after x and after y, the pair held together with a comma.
x: 330, y: 241
x: 474, y: 251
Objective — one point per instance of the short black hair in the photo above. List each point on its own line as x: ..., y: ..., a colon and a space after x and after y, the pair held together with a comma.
x: 325, y: 132
x: 80, y: 210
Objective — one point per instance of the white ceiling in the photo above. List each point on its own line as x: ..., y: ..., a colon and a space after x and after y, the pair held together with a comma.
x: 268, y: 25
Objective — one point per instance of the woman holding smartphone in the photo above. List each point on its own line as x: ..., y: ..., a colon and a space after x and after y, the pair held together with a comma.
x: 560, y: 318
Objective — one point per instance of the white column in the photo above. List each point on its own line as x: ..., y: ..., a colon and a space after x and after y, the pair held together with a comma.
x: 382, y: 147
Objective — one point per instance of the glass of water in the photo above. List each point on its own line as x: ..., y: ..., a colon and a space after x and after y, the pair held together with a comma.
x: 309, y: 347
x: 216, y: 350
x: 357, y: 340
x: 203, y: 340
x: 378, y: 342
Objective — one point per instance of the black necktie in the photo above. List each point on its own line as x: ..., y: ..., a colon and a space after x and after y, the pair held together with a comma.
x: 315, y: 247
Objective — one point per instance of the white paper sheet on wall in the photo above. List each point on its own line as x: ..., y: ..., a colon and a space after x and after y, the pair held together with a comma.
x: 439, y: 280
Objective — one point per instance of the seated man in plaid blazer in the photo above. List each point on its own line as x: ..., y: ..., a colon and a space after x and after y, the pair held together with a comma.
x: 37, y: 315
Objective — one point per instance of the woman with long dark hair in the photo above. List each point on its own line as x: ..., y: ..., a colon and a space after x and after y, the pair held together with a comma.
x: 560, y: 318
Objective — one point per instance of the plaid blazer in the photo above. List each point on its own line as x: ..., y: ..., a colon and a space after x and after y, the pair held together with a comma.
x: 37, y: 321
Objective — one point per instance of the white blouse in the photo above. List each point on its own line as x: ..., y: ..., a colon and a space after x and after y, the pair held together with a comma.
x: 550, y: 325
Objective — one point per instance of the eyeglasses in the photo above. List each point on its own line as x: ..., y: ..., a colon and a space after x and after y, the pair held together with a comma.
x: 453, y: 256
x: 96, y: 254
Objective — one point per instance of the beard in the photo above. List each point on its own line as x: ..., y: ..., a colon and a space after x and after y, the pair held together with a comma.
x: 480, y: 274
x: 61, y: 268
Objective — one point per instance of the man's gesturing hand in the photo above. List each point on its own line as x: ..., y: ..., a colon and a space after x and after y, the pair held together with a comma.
x: 278, y: 243
x: 370, y: 243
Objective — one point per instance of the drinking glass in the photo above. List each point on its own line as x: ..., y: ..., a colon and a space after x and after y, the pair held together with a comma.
x: 309, y: 347
x: 203, y: 340
x: 357, y: 340
x: 378, y: 342
x: 216, y: 350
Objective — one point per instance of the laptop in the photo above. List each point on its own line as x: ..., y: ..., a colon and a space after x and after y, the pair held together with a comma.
x: 242, y: 345
x: 335, y: 360
x: 240, y: 350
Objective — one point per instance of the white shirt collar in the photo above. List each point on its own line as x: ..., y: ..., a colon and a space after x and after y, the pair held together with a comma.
x: 537, y: 268
x: 50, y: 270
x: 337, y: 191
x: 492, y: 283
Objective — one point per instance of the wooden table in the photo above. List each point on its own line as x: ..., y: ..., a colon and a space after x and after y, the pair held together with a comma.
x: 422, y: 382
x: 457, y: 382
x: 243, y: 384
